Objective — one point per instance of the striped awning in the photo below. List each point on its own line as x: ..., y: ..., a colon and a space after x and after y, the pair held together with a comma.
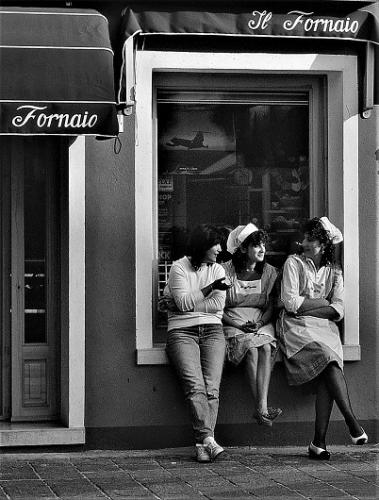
x: 56, y: 73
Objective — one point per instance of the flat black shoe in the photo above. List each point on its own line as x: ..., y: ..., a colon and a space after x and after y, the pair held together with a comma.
x: 318, y: 453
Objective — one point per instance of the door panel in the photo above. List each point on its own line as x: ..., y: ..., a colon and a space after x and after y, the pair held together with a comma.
x: 34, y: 278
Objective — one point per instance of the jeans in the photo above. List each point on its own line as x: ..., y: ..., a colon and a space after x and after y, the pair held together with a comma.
x: 197, y: 353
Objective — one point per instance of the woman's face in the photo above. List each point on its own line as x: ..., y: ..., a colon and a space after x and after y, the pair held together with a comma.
x: 211, y: 255
x: 312, y: 248
x: 256, y: 253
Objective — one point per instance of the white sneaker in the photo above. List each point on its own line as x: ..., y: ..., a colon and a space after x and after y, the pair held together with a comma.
x: 202, y: 454
x: 213, y: 449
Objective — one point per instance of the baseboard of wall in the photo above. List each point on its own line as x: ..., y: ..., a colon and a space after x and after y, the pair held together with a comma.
x: 281, y: 434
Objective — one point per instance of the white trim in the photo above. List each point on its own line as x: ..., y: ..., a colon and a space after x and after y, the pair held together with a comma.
x: 251, y: 35
x: 54, y: 47
x: 342, y: 144
x: 64, y: 102
x: 76, y: 251
x: 59, y: 135
x: 47, y: 13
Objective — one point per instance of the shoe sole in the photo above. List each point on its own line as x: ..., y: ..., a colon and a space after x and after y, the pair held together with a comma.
x: 214, y: 457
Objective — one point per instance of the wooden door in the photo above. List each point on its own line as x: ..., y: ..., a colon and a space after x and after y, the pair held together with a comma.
x: 33, y: 241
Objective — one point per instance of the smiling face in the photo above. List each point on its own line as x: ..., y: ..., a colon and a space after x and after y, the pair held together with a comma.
x: 313, y: 248
x: 255, y: 253
x: 211, y: 254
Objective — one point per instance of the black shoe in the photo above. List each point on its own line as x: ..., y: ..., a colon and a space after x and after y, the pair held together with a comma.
x: 318, y: 453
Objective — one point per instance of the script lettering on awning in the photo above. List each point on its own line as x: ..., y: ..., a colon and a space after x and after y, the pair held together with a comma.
x: 297, y: 19
x: 61, y: 120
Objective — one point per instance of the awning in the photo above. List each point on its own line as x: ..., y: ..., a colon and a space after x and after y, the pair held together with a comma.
x: 56, y: 73
x: 360, y: 26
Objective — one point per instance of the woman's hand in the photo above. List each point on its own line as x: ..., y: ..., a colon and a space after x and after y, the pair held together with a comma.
x: 220, y: 285
x: 250, y: 327
x: 216, y: 285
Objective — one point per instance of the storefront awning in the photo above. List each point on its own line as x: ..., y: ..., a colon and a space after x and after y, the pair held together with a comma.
x: 361, y: 26
x: 56, y: 73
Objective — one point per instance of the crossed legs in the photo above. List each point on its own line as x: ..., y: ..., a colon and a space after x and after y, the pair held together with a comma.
x: 332, y: 387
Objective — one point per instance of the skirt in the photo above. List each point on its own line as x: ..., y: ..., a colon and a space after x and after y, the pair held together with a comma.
x: 237, y: 347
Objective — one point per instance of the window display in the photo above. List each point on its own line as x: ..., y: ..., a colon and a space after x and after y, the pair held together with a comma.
x: 227, y: 160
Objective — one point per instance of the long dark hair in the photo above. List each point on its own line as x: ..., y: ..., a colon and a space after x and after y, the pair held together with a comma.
x: 201, y: 239
x: 314, y: 230
x: 240, y: 258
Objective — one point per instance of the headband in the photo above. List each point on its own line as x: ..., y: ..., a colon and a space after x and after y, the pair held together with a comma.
x: 334, y: 233
x: 239, y: 235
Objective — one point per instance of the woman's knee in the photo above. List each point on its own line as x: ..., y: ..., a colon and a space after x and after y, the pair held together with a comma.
x: 265, y: 350
x: 252, y: 355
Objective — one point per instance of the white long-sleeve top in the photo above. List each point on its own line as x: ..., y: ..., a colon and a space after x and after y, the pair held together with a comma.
x: 184, y: 287
x: 302, y: 280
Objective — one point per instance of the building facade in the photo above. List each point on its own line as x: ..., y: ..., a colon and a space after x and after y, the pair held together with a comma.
x: 124, y: 124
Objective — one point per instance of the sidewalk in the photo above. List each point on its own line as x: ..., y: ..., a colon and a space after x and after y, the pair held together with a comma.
x: 266, y: 473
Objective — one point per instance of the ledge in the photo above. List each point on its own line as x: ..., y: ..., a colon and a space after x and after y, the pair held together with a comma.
x: 157, y: 355
x: 39, y: 434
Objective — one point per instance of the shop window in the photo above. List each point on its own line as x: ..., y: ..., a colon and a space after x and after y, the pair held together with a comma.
x: 227, y: 159
x: 231, y: 147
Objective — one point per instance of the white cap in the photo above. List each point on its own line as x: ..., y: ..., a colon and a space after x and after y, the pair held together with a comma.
x: 239, y: 235
x: 334, y: 233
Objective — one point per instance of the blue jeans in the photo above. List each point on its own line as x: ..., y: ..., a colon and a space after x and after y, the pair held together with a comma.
x: 197, y: 353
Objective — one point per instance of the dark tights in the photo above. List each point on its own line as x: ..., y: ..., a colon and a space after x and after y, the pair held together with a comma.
x: 332, y: 387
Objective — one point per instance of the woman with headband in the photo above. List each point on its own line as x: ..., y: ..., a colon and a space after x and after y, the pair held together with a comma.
x: 312, y: 295
x: 248, y: 314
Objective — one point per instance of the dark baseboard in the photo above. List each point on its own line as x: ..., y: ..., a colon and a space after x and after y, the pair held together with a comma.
x: 281, y: 434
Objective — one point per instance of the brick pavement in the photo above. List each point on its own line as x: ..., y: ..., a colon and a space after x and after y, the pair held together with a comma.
x: 266, y: 473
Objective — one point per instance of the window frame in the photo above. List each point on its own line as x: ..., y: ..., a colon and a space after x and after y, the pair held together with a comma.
x: 341, y: 153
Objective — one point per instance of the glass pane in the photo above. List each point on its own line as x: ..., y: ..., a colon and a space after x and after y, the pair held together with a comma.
x: 228, y: 164
x: 35, y: 253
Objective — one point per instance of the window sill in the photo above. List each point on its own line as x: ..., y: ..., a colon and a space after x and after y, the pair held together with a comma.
x: 157, y: 355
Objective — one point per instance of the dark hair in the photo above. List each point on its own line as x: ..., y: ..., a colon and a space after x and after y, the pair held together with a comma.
x: 201, y: 239
x: 240, y: 258
x: 314, y: 230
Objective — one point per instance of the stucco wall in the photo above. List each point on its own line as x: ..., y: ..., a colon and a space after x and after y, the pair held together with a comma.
x: 137, y: 406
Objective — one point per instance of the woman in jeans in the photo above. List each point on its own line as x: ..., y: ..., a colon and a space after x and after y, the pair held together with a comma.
x: 195, y: 342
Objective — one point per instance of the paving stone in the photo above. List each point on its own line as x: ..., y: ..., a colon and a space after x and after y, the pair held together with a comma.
x: 17, y: 470
x: 26, y: 489
x: 48, y: 470
x: 75, y: 489
x: 87, y: 466
x: 243, y: 473
x: 2, y: 493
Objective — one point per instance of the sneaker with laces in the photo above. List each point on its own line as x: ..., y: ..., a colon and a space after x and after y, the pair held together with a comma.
x: 213, y: 448
x: 202, y: 454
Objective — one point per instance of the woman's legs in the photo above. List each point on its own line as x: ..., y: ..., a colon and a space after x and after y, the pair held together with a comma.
x: 251, y: 367
x: 184, y: 352
x: 258, y: 372
x: 336, y: 383
x: 263, y: 376
x: 324, y: 405
x: 212, y: 357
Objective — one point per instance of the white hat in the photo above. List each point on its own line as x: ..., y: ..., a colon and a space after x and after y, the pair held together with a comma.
x: 334, y: 233
x: 239, y: 235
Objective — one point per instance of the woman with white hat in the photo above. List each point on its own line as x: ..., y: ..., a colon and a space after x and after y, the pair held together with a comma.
x: 312, y: 295
x: 248, y: 313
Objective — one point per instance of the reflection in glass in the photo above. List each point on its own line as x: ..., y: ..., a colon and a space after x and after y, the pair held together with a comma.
x: 228, y: 164
x: 35, y: 253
